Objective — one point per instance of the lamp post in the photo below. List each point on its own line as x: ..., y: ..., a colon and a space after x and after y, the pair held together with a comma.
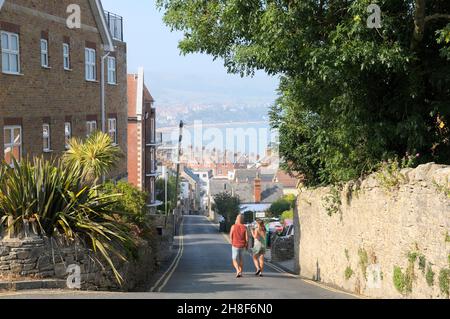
x: 180, y: 140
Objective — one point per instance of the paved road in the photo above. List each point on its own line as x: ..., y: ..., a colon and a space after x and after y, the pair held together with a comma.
x: 202, y: 269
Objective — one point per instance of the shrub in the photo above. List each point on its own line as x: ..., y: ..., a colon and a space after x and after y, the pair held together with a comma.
x: 402, y: 282
x: 363, y: 261
x: 348, y: 273
x: 64, y: 200
x: 282, y: 205
x: 287, y: 215
x: 444, y: 281
x: 228, y: 206
x: 333, y: 201
x: 389, y: 176
x: 430, y: 276
x: 130, y: 202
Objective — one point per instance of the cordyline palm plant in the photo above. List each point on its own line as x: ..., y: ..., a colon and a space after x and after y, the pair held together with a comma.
x: 94, y: 157
x: 57, y: 196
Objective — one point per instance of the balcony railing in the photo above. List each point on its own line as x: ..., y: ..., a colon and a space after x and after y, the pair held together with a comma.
x: 115, y: 23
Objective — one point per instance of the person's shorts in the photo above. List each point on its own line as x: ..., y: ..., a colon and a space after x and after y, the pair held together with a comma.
x: 238, y: 253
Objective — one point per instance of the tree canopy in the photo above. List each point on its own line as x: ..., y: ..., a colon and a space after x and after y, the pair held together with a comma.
x: 284, y: 204
x: 228, y: 206
x: 349, y: 96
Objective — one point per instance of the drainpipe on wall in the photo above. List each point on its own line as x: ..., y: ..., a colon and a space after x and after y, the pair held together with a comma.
x: 103, y: 91
x: 102, y: 97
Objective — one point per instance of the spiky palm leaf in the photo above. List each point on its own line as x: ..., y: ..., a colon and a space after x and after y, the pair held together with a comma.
x: 96, y: 156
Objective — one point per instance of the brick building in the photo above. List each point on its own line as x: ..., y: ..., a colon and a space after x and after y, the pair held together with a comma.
x: 142, y: 140
x: 50, y: 79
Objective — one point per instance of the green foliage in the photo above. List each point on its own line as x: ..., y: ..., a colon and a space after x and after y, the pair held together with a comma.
x: 412, y: 257
x: 130, y: 201
x: 447, y: 237
x: 444, y: 281
x: 332, y: 201
x: 402, y: 282
x: 95, y: 156
x: 228, y: 206
x: 348, y: 273
x: 430, y: 276
x: 422, y: 263
x: 443, y: 189
x: 363, y: 261
x: 389, y: 175
x: 171, y: 189
x: 58, y: 198
x: 349, y: 96
x: 282, y: 205
x: 287, y: 215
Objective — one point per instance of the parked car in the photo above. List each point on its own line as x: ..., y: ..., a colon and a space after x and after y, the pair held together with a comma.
x: 288, y: 231
x: 276, y: 227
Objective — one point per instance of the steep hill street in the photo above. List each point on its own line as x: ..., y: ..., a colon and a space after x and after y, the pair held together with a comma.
x: 202, y: 269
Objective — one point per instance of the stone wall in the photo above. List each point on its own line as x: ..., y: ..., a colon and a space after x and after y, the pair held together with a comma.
x: 42, y: 258
x: 376, y: 229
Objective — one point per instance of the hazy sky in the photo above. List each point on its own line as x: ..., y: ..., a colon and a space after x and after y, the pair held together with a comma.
x: 172, y: 77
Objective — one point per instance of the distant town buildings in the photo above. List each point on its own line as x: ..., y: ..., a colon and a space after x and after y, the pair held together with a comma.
x: 207, y: 173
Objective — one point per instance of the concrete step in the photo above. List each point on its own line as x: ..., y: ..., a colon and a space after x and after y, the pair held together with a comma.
x: 32, y: 285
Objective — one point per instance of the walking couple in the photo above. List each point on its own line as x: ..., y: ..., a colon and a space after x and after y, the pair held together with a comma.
x: 239, y: 242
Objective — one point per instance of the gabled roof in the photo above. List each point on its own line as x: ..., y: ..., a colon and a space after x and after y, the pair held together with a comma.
x: 191, y: 174
x: 138, y: 94
x: 246, y: 175
x: 287, y: 180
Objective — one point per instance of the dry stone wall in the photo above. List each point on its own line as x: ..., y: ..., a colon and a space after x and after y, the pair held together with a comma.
x: 43, y: 258
x: 378, y: 241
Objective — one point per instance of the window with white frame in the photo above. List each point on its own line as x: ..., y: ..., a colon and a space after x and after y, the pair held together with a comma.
x: 67, y: 134
x: 91, y: 127
x: 46, y: 137
x: 66, y: 56
x: 44, y: 53
x: 112, y: 74
x: 90, y: 61
x: 10, y: 52
x: 112, y: 129
x: 12, y: 142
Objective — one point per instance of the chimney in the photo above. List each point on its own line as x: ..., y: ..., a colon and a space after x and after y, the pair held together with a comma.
x: 257, y: 190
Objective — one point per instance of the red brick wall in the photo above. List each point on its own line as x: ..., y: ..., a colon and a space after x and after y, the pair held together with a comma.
x: 133, y: 176
x: 55, y: 93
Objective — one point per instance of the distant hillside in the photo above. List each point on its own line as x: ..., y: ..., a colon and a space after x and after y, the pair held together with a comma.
x: 171, y: 116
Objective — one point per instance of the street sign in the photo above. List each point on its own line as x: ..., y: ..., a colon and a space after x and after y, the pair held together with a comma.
x: 261, y: 215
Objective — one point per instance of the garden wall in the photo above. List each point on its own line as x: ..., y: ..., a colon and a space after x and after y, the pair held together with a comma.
x: 42, y: 258
x: 379, y: 242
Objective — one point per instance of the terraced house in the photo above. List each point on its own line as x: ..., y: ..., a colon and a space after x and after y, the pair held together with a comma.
x: 51, y: 78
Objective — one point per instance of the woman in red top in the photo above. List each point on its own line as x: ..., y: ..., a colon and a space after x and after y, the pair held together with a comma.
x: 239, y: 240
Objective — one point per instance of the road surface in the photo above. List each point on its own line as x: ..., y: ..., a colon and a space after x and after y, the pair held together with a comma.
x: 202, y: 269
